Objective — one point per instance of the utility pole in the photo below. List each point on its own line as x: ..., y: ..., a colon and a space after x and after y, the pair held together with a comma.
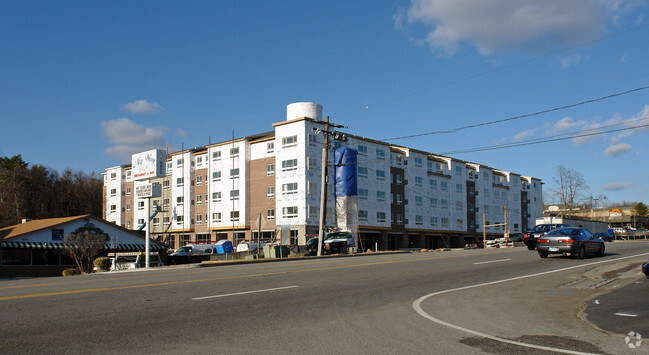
x: 324, y: 182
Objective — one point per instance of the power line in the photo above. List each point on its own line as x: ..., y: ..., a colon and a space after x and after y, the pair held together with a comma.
x: 539, y: 141
x: 453, y: 130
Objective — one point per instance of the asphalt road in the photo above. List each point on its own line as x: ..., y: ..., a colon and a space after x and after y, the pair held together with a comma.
x: 461, y: 301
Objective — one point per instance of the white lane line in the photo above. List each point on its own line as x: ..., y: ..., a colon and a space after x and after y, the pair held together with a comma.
x: 243, y: 293
x: 417, y: 306
x: 626, y: 315
x: 491, y: 261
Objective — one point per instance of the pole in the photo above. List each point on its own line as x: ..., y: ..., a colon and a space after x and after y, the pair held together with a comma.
x: 484, y: 230
x: 506, y: 227
x: 323, y: 188
x: 147, y: 246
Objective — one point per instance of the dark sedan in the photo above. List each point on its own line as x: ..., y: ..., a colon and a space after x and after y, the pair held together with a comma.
x: 573, y: 241
x: 531, y: 236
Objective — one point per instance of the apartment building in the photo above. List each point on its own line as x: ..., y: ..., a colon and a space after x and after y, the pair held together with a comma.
x: 406, y: 197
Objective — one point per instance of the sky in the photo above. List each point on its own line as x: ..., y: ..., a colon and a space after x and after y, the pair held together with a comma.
x: 518, y: 85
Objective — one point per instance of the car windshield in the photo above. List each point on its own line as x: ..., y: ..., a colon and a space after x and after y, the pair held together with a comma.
x: 564, y: 231
x: 337, y: 235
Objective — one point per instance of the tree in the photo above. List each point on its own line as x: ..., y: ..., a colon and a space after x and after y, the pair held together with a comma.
x: 13, y: 173
x: 84, y: 244
x: 640, y: 209
x: 571, y: 186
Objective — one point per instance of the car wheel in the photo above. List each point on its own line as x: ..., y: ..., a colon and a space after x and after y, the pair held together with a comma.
x: 582, y: 253
x: 543, y: 255
x: 601, y: 250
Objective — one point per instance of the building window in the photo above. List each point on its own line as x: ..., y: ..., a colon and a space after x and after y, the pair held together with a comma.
x: 270, y: 147
x: 289, y: 189
x: 419, y: 181
x: 433, y: 184
x: 458, y: 188
x: 399, y: 199
x: 199, y: 219
x: 362, y: 216
x: 419, y: 200
x: 216, y: 155
x: 313, y: 140
x: 234, y: 152
x: 290, y: 164
x: 216, y: 217
x: 270, y: 191
x: 458, y: 170
x: 459, y: 222
x: 380, y: 175
x: 166, y: 220
x: 433, y: 202
x: 289, y: 212
x: 419, y: 162
x: 313, y: 211
x: 419, y: 220
x: 234, y: 194
x: 199, y: 200
x: 180, y: 162
x: 445, y: 204
x: 459, y: 205
x: 362, y: 171
x: 234, y: 173
x: 444, y: 185
x: 179, y: 181
x: 270, y: 214
x: 165, y: 184
x: 140, y: 205
x: 362, y: 194
x: 444, y: 222
x: 113, y: 192
x: 180, y: 200
x: 399, y: 218
x: 270, y: 169
x: 128, y: 191
x: 128, y: 207
x: 362, y: 149
x: 234, y: 216
x: 199, y: 180
x: 113, y: 208
x: 399, y: 179
x: 433, y: 221
x: 380, y: 195
x: 288, y: 142
x: 380, y: 154
x: 313, y: 188
x: 216, y: 196
x: 380, y: 217
x: 312, y: 163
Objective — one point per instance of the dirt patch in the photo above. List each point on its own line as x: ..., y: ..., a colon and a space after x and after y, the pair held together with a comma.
x: 615, y: 273
x: 559, y: 342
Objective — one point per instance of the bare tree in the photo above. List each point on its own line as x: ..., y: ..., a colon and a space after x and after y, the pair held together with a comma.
x: 83, y: 245
x: 571, y: 186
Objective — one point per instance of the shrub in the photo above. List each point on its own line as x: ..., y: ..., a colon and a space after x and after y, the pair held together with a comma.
x: 71, y: 272
x: 103, y: 263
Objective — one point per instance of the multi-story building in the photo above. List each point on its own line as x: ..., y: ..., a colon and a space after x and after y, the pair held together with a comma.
x: 406, y: 197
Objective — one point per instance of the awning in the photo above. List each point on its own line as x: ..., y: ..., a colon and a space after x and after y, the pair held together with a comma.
x: 59, y: 245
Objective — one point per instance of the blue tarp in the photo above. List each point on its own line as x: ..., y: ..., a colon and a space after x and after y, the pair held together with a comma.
x: 345, y: 163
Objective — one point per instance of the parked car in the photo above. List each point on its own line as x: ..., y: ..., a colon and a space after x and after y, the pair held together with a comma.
x: 336, y: 241
x: 645, y: 268
x: 531, y: 236
x: 312, y: 245
x: 516, y: 237
x: 605, y: 237
x: 573, y: 241
x: 478, y: 244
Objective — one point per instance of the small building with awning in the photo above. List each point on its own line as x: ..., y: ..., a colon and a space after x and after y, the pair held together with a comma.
x: 36, y: 248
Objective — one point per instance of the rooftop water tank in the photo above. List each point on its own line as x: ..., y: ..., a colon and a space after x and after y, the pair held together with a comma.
x: 303, y: 109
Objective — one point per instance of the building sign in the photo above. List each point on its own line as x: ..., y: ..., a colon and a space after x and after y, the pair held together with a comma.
x: 149, y: 164
x: 57, y: 235
x: 615, y: 212
x: 146, y: 190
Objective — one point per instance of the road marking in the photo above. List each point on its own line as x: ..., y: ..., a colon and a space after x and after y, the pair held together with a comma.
x: 596, y: 301
x: 243, y: 293
x: 417, y: 306
x: 491, y: 261
x: 626, y: 315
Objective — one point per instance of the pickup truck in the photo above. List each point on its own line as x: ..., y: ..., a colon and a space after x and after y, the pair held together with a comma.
x: 337, y: 242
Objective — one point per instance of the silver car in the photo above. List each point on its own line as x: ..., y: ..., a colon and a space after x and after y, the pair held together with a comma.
x: 573, y: 241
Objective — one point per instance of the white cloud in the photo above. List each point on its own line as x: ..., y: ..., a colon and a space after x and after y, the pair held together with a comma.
x: 616, y: 186
x: 522, y: 135
x: 569, y: 61
x: 501, y: 25
x: 641, y: 118
x: 129, y: 137
x: 618, y: 149
x: 565, y: 124
x: 142, y: 107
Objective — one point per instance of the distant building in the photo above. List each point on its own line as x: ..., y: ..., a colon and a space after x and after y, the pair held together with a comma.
x: 406, y: 197
x: 35, y: 247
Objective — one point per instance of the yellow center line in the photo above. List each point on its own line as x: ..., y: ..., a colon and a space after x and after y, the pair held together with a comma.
x: 100, y: 289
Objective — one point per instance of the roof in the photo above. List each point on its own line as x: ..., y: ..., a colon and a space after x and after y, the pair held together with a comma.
x: 39, y: 224
x: 35, y: 225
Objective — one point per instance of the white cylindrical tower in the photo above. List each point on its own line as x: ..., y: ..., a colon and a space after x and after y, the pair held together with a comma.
x: 303, y: 109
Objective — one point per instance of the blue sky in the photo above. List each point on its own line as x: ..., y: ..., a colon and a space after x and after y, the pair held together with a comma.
x: 84, y: 84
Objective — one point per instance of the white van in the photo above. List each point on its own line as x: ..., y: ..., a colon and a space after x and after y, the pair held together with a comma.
x: 134, y: 260
x: 192, y: 249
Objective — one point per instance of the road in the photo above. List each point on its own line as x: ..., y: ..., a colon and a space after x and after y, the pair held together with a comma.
x: 461, y: 301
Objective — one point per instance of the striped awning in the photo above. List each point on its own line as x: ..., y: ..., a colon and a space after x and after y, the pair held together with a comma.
x: 59, y: 245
